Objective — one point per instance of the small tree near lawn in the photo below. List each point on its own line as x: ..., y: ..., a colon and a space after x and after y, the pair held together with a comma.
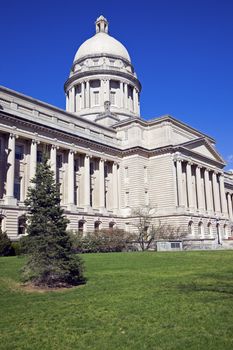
x: 51, y: 260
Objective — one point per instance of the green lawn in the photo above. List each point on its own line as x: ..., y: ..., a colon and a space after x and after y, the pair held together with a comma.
x: 131, y: 301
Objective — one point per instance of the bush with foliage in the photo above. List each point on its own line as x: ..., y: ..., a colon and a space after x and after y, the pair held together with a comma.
x: 51, y: 262
x: 5, y: 244
x: 103, y: 241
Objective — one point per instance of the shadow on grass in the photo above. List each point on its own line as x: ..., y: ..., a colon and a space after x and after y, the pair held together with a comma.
x: 210, y: 282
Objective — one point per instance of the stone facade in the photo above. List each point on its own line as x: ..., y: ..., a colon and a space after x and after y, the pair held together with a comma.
x: 107, y: 159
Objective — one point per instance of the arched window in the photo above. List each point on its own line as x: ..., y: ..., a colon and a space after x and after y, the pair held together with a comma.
x: 200, y: 229
x: 22, y: 225
x: 97, y: 225
x: 209, y: 229
x: 111, y: 225
x: 81, y: 226
x: 191, y: 228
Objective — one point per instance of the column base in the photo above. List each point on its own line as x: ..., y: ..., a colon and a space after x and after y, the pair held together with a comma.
x: 71, y: 207
x: 103, y: 210
x: 115, y: 211
x: 10, y: 201
x: 88, y: 208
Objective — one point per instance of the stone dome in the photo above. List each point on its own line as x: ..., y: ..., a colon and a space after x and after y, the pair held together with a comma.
x: 102, y: 44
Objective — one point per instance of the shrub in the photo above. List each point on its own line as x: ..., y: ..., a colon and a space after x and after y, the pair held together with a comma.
x: 5, y: 244
x: 15, y: 246
x: 102, y: 241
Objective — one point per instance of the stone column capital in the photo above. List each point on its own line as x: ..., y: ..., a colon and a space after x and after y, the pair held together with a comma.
x: 14, y: 135
x: 55, y: 147
x: 35, y: 141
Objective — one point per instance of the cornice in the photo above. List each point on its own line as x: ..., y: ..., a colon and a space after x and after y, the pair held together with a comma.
x: 100, y: 147
x: 48, y: 106
x: 97, y: 72
x: 162, y: 119
x: 56, y: 133
x: 203, y: 141
x: 193, y: 154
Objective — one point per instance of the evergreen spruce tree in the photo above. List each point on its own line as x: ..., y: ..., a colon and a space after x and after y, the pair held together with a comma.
x: 51, y: 261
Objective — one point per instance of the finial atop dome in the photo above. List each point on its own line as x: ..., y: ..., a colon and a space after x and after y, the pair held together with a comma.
x: 101, y: 25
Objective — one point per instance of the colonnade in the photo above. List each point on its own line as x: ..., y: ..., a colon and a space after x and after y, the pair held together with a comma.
x: 79, y: 96
x: 201, y: 188
x: 230, y: 205
x: 70, y: 156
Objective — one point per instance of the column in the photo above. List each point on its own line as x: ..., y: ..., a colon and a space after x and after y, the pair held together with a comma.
x: 189, y: 185
x: 126, y: 95
x: 22, y: 194
x: 107, y: 91
x: 137, y: 103
x: 87, y: 94
x: 71, y: 178
x: 102, y: 87
x: 87, y: 182
x: 82, y: 96
x: 101, y: 185
x: 115, y: 186
x: 67, y: 101
x: 121, y: 95
x: 230, y: 206
x: 10, y: 171
x: 207, y: 191
x: 199, y: 189
x: 72, y: 99
x: 33, y: 159
x: 216, y: 193
x: 134, y: 100
x: 53, y: 160
x: 223, y: 195
x: 179, y: 182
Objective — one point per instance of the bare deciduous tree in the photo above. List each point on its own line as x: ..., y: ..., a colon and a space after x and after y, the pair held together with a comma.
x: 147, y: 233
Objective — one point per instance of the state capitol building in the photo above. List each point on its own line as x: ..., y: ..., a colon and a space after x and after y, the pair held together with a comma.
x: 107, y: 159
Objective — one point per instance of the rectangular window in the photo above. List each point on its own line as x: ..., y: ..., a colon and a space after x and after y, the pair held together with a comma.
x: 113, y: 98
x: 91, y: 168
x: 17, y: 190
x: 175, y: 245
x: 91, y: 197
x: 18, y: 152
x: 39, y: 156
x: 106, y: 171
x: 96, y: 98
x: 76, y: 165
x: 59, y: 161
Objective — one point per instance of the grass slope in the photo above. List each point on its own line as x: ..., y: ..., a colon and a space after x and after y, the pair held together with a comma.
x: 131, y: 301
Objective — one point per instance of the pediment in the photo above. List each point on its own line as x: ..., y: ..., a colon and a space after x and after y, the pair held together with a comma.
x: 107, y: 119
x: 204, y: 148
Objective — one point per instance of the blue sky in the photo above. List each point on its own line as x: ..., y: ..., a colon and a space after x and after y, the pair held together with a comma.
x: 182, y: 52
